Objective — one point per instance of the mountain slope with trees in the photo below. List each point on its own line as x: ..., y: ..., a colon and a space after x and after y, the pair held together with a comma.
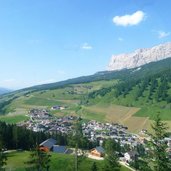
x: 148, y: 89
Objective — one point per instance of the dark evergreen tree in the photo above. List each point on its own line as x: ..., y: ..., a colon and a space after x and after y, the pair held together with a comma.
x: 94, y: 167
x: 141, y: 164
x: 77, y: 140
x: 39, y: 160
x: 111, y: 157
x: 14, y: 137
x: 140, y: 149
x: 158, y: 148
x: 3, y: 159
x: 3, y: 156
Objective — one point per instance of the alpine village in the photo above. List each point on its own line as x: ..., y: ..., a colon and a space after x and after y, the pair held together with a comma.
x: 117, y: 119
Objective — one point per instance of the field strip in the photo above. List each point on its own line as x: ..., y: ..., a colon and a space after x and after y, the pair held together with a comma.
x: 129, y: 114
x: 145, y: 122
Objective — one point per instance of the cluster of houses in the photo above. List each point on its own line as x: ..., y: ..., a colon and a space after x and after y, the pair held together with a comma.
x: 97, y: 131
x: 42, y: 120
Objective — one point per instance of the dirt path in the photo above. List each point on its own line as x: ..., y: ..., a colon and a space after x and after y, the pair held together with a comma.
x: 145, y: 122
x: 129, y: 114
x: 123, y: 163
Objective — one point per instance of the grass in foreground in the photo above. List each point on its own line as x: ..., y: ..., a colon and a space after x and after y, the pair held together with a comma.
x: 61, y: 162
x: 13, y: 119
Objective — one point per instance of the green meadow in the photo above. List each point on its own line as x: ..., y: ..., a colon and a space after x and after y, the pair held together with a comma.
x: 62, y: 162
x: 13, y: 119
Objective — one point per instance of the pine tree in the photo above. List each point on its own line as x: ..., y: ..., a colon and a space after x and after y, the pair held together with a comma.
x: 111, y: 158
x: 39, y: 160
x: 15, y: 136
x: 3, y: 157
x: 142, y: 165
x: 158, y: 148
x: 94, y: 167
x: 77, y: 141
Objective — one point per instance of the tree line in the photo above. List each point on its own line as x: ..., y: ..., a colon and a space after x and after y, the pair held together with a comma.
x: 15, y: 137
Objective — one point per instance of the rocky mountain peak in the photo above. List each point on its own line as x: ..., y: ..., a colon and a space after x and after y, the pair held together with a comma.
x: 140, y: 57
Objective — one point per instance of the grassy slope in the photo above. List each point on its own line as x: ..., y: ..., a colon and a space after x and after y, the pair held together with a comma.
x: 69, y: 96
x: 13, y: 119
x: 149, y: 108
x: 106, y: 108
x: 138, y: 117
x: 60, y: 162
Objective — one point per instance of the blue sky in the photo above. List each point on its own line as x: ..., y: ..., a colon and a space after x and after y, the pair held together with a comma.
x: 45, y: 41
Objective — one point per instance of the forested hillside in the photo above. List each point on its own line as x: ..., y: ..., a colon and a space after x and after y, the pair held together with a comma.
x: 150, y: 90
x: 105, y: 96
x: 157, y: 84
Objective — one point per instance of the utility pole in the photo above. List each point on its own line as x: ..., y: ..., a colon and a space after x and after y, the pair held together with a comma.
x: 76, y: 157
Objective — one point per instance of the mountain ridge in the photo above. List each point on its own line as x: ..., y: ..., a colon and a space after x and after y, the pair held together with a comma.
x: 140, y: 57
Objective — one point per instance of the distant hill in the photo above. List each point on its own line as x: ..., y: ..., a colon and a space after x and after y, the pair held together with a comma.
x: 4, y: 90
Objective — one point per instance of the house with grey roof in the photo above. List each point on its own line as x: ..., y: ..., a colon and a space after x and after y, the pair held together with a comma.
x: 48, y: 144
x: 60, y: 149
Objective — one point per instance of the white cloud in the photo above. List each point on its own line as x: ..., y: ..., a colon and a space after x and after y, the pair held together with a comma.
x: 129, y: 20
x: 120, y: 39
x: 162, y: 34
x: 86, y: 46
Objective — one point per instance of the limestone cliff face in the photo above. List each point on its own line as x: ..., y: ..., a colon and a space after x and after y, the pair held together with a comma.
x: 140, y: 57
